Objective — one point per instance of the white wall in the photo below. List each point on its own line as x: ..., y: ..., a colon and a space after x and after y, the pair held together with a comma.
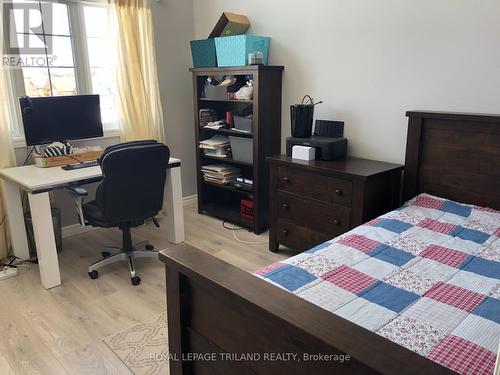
x: 372, y: 60
x: 173, y: 28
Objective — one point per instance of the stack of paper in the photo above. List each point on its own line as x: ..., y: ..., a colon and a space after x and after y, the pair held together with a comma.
x: 217, y: 146
x: 220, y: 174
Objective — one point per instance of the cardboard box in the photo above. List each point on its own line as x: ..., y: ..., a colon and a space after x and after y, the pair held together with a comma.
x: 230, y: 24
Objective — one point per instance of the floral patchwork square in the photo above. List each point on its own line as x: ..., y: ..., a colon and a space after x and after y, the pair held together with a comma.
x: 407, y: 244
x: 410, y: 281
x: 317, y: 265
x: 414, y: 218
x: 491, y: 252
x: 480, y: 225
x: 412, y: 334
x: 495, y: 292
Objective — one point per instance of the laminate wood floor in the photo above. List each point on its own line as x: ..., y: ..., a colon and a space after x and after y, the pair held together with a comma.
x: 60, y: 331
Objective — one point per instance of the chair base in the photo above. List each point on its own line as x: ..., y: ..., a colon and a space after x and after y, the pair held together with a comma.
x: 116, y: 254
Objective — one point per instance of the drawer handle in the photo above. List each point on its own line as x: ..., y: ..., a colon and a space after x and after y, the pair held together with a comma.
x: 284, y: 232
x: 286, y: 179
x: 338, y: 192
x: 336, y: 222
x: 285, y: 206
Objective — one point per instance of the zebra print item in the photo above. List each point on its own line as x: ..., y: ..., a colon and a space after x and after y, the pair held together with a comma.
x: 57, y: 149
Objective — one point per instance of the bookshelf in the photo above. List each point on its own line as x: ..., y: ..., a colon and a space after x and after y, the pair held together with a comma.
x: 223, y: 201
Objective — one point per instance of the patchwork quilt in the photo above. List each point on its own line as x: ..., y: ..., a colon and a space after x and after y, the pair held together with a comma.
x: 426, y: 276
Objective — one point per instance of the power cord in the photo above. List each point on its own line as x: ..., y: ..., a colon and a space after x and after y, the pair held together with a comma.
x: 231, y: 228
x: 234, y: 229
x: 72, y: 157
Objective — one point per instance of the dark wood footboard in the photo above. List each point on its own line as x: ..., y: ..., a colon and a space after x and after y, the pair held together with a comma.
x: 223, y: 320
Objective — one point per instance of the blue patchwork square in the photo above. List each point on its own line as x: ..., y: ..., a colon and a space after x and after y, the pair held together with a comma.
x: 455, y: 208
x: 290, y: 277
x: 392, y: 255
x: 393, y: 225
x: 318, y: 247
x: 390, y: 297
x: 489, y: 309
x: 469, y: 234
x: 480, y: 266
x: 378, y: 249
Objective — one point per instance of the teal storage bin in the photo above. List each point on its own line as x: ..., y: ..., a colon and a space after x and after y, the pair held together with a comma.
x: 203, y: 52
x: 234, y: 50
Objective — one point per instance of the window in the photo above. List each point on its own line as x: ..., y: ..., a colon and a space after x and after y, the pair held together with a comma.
x: 79, y: 62
x: 101, y: 40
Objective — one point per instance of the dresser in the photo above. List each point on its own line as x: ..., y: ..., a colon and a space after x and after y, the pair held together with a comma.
x: 314, y: 201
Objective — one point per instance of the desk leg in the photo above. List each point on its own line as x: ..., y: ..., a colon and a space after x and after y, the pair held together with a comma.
x: 175, y: 213
x: 14, y: 210
x: 45, y: 240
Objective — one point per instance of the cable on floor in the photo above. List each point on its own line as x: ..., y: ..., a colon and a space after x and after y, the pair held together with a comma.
x: 234, y: 229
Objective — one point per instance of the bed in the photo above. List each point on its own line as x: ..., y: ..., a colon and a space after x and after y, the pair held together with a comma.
x: 416, y: 290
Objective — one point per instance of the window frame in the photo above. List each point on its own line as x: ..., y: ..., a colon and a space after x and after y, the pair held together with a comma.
x: 83, y: 77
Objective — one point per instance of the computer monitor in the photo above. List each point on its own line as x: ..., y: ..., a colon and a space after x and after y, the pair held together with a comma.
x: 61, y: 118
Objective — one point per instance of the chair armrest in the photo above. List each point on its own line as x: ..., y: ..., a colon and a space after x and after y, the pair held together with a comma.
x: 78, y: 191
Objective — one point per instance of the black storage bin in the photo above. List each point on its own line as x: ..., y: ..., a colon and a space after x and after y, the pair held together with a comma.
x: 56, y: 222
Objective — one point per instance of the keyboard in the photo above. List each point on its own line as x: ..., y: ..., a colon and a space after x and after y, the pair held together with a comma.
x: 71, y: 167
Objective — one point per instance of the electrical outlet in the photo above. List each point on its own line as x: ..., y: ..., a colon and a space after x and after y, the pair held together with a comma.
x: 6, y: 272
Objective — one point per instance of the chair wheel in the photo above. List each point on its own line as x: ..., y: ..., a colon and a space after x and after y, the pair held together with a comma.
x: 136, y: 280
x: 93, y: 275
x: 149, y: 247
x: 105, y: 254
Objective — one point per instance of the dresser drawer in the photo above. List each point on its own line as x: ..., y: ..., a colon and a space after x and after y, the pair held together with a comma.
x: 313, y: 215
x: 316, y: 186
x: 297, y: 237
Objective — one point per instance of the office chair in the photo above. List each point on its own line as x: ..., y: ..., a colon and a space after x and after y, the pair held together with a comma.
x: 131, y: 191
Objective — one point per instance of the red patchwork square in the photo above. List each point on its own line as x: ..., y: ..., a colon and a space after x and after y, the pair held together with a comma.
x: 436, y: 226
x: 360, y: 243
x: 267, y: 269
x: 349, y: 279
x: 463, y: 356
x: 455, y: 296
x: 428, y: 202
x: 374, y: 221
x: 443, y: 255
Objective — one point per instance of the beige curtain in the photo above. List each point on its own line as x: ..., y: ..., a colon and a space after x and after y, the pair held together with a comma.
x: 8, y: 114
x: 138, y: 94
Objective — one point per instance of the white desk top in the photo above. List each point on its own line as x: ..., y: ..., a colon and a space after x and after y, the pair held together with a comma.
x: 35, y: 179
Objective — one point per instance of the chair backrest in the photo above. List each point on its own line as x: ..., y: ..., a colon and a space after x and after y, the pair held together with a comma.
x: 133, y: 182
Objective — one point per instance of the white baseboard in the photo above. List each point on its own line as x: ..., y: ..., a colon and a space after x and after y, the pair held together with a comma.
x: 189, y: 199
x: 74, y: 229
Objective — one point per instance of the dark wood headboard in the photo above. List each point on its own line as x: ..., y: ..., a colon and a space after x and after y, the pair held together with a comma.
x: 454, y: 156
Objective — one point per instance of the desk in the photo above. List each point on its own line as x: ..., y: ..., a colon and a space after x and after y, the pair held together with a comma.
x: 38, y: 182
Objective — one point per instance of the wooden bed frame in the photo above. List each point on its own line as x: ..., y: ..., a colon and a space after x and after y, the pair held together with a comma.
x: 236, y: 321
